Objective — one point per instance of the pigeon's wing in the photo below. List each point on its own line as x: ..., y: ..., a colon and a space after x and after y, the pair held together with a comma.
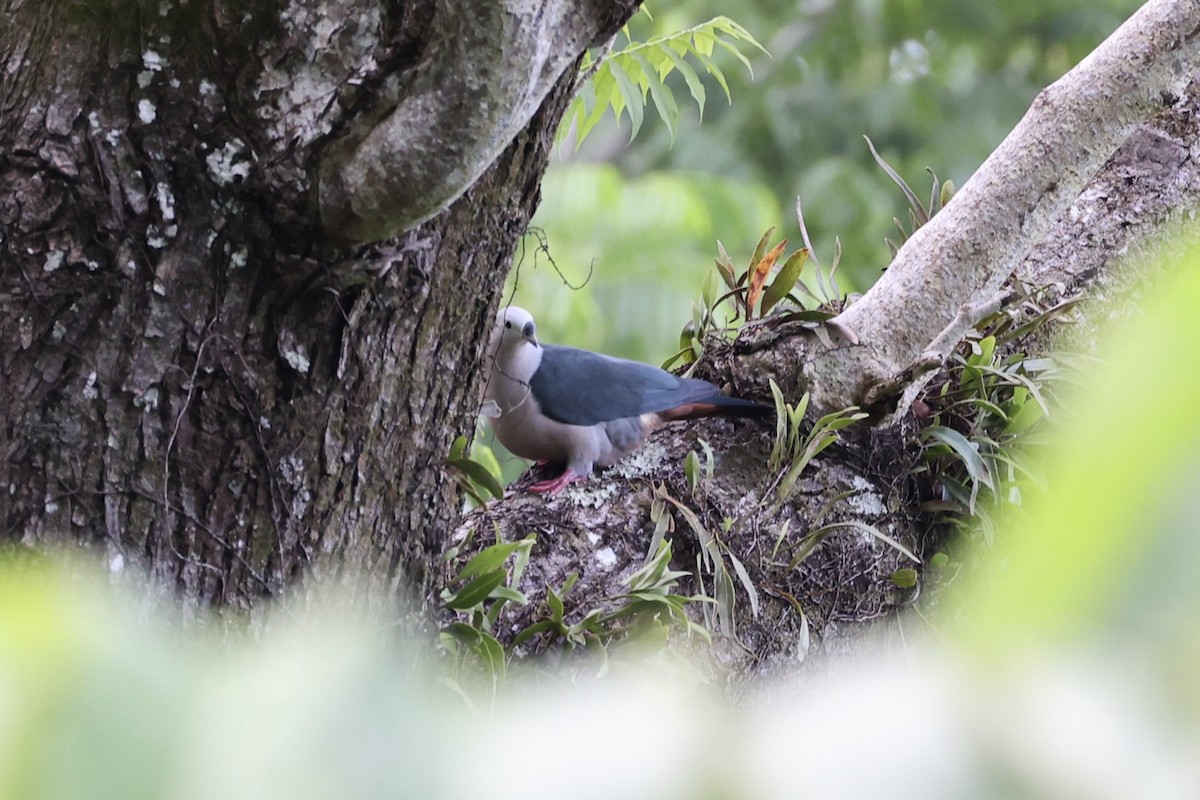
x: 578, y: 387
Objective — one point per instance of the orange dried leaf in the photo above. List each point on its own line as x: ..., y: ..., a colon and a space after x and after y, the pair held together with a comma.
x: 759, y: 276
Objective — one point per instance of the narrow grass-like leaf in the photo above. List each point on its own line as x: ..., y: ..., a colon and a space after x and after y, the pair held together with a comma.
x: 708, y: 290
x: 779, y: 448
x: 486, y: 560
x: 914, y: 202
x: 783, y: 530
x: 691, y: 470
x: 709, y: 458
x: 541, y: 626
x: 800, y: 462
x: 1016, y: 378
x: 506, y: 593
x: 808, y: 546
x: 869, y: 529
x: 976, y: 467
x: 479, y: 474
x: 760, y: 250
x: 980, y: 403
x: 747, y: 584
x: 725, y: 266
x: 476, y: 591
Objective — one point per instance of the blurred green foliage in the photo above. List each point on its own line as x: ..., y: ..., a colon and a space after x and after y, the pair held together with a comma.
x: 934, y: 83
x: 1065, y: 668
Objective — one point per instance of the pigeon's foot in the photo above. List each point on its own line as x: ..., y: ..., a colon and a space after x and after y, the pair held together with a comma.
x: 556, y: 485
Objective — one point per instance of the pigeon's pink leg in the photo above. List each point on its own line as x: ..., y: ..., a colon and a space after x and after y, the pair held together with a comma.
x: 556, y: 485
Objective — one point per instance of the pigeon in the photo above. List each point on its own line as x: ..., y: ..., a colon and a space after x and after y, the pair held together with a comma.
x: 562, y: 405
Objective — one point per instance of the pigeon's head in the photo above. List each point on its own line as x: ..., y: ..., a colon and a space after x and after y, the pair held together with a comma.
x: 513, y: 326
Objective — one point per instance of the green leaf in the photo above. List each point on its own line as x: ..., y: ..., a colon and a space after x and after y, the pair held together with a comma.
x: 708, y: 288
x: 686, y: 355
x: 655, y: 54
x: 604, y: 87
x: 760, y: 249
x: 555, y: 603
x: 476, y: 591
x: 694, y: 84
x: 738, y: 55
x: 491, y: 653
x: 808, y: 546
x: 784, y: 280
x: 711, y: 67
x: 505, y: 593
x: 747, y: 584
x: 779, y: 448
x: 479, y: 474
x: 869, y: 529
x: 487, y: 560
x: 783, y: 531
x: 981, y: 351
x: 703, y: 41
x: 664, y: 101
x: 905, y: 578
x: 922, y: 215
x: 947, y: 192
x: 965, y: 450
x: 540, y: 626
x: 725, y: 266
x: 736, y: 30
x: 524, y: 547
x: 807, y: 315
x: 691, y: 469
x: 709, y: 459
x: 634, y: 99
x: 462, y: 632
x: 1026, y: 416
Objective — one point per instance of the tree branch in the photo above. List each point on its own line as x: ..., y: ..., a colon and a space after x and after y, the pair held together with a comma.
x: 967, y: 251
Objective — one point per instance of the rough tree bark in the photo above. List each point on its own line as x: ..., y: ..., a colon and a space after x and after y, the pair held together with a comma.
x: 1055, y: 205
x: 197, y: 371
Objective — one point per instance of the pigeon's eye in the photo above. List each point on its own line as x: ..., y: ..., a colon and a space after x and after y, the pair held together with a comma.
x: 507, y: 324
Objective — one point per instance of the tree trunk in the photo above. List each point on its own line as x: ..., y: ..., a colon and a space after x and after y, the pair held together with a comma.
x: 198, y: 371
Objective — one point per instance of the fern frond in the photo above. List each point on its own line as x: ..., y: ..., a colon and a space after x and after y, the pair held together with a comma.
x: 623, y: 80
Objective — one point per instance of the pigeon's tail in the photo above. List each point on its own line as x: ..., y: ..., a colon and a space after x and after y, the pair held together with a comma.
x: 717, y: 404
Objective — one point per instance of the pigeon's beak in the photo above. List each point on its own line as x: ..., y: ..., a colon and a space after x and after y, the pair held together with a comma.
x: 530, y: 333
